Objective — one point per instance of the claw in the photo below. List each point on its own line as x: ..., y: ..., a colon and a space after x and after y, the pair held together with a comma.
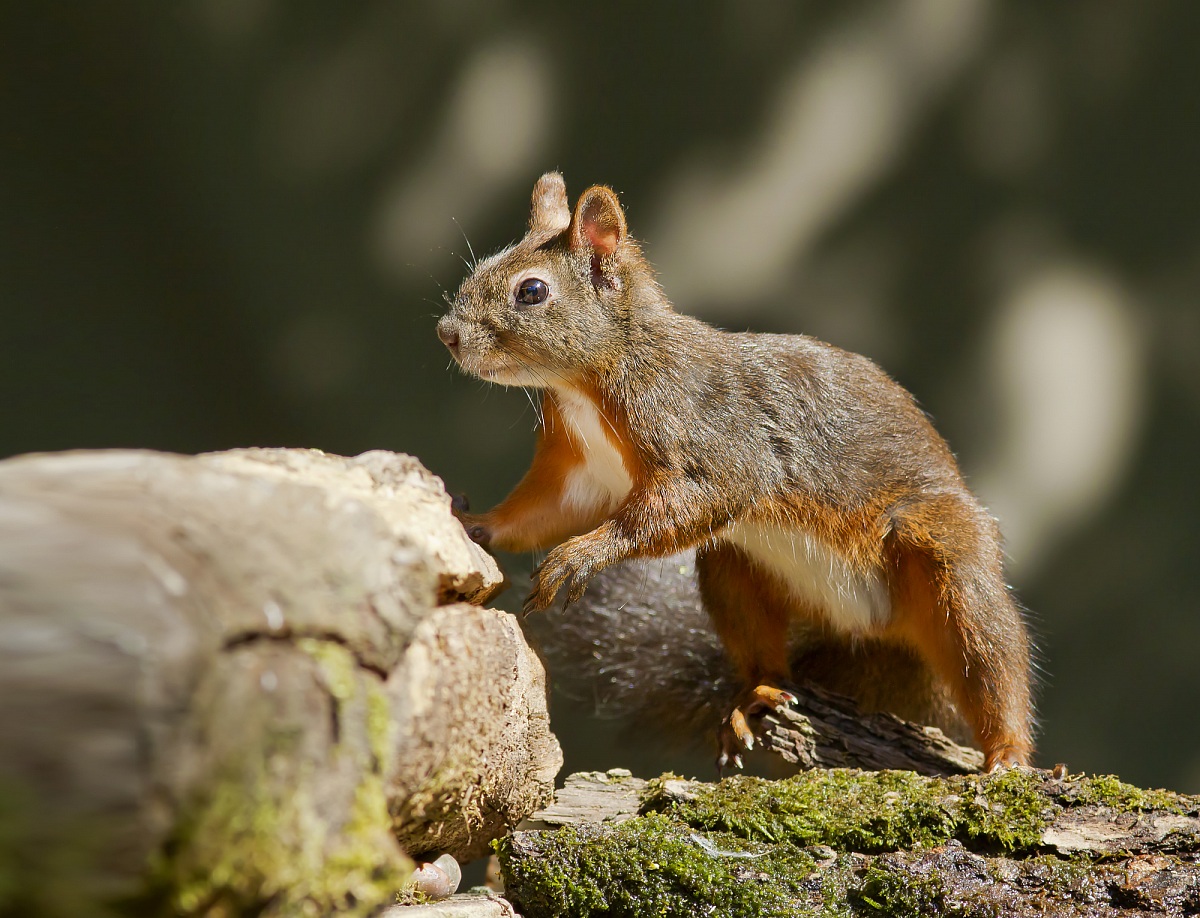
x: 767, y: 696
x: 1003, y: 758
x: 529, y: 606
x: 724, y: 760
x: 539, y: 597
x: 578, y: 587
x: 741, y: 730
x: 735, y: 736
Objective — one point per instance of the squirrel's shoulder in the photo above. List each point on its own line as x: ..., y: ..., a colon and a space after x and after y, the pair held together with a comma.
x: 790, y: 356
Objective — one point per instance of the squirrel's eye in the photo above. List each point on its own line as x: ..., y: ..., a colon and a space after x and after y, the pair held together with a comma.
x: 532, y: 291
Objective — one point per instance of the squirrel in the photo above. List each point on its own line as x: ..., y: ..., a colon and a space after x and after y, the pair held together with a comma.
x: 810, y: 484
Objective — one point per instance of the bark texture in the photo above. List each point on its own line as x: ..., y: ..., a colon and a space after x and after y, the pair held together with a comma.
x: 249, y: 681
x: 825, y: 730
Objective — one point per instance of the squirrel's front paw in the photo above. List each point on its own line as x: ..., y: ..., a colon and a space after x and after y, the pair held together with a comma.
x: 567, y: 565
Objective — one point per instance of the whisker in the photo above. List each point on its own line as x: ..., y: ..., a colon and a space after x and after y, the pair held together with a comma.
x: 474, y: 260
x: 528, y: 395
x: 532, y: 404
x: 519, y: 352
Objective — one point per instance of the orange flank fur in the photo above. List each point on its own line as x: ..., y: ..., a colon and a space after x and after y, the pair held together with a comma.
x: 534, y: 516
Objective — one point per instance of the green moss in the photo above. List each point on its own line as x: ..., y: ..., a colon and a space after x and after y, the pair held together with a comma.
x: 410, y: 895
x: 232, y: 851
x: 259, y: 835
x: 337, y: 666
x: 358, y: 859
x: 655, y: 866
x: 1107, y: 790
x: 380, y: 727
x: 907, y: 886
x: 872, y: 812
x: 917, y: 886
x: 1008, y: 813
x: 688, y: 855
x: 898, y: 895
x: 247, y: 845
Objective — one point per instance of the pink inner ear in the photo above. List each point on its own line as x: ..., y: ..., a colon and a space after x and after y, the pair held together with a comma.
x: 601, y: 234
x: 599, y: 222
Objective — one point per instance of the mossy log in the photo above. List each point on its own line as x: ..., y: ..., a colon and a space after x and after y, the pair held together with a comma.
x: 249, y: 682
x: 842, y: 842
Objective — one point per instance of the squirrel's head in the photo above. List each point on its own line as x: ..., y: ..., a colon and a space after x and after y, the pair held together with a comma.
x: 554, y: 308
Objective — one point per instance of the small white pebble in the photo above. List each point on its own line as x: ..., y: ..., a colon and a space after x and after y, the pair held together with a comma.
x: 274, y: 614
x: 268, y: 680
x: 437, y: 879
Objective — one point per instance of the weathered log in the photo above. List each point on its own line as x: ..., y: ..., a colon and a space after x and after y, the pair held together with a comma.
x: 825, y: 730
x: 244, y: 681
x: 1019, y: 842
x: 464, y: 905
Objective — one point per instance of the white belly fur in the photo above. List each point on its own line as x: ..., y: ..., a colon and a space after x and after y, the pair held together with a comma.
x: 602, y: 482
x: 816, y: 574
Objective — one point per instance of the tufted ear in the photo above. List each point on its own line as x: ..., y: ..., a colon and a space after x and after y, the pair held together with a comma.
x: 599, y: 222
x: 549, y: 211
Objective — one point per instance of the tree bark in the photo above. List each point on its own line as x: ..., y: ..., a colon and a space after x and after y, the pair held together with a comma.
x: 249, y: 681
x: 825, y: 730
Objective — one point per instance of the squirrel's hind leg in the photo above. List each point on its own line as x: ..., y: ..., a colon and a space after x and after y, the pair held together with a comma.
x: 950, y: 602
x: 751, y: 617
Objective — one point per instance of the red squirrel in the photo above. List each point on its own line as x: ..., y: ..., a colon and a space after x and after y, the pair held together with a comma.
x: 810, y: 484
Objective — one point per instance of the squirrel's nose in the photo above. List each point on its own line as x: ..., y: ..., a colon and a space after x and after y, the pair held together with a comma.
x: 449, y: 337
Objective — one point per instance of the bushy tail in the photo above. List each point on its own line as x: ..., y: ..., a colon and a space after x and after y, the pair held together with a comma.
x: 640, y: 644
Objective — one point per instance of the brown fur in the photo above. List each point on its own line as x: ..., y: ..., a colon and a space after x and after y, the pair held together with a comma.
x: 717, y: 432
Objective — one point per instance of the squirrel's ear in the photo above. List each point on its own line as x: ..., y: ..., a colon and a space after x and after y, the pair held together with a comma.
x: 549, y: 211
x: 599, y: 222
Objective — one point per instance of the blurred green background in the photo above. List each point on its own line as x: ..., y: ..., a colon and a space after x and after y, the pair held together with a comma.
x: 230, y: 222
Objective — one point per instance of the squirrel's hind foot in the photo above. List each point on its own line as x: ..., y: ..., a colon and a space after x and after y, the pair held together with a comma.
x: 735, y: 735
x: 1005, y: 756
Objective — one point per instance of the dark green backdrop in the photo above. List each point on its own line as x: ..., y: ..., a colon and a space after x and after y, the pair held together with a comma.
x: 229, y: 222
